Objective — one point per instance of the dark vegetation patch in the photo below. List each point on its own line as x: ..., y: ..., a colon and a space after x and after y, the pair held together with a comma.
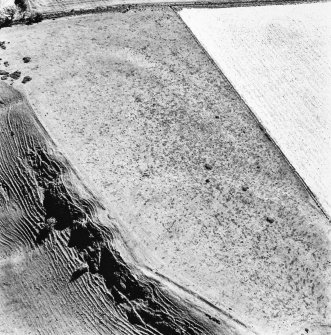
x: 79, y: 272
x: 26, y: 79
x: 15, y: 15
x: 15, y: 75
x: 5, y: 21
x: 33, y: 18
x: 21, y: 4
x: 208, y: 166
x: 140, y: 299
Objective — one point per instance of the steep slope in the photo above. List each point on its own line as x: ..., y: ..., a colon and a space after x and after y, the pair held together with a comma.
x: 64, y: 267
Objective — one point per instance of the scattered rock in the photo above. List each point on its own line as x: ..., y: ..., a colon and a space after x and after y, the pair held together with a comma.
x: 6, y: 64
x: 217, y: 117
x: 270, y: 219
x: 26, y: 79
x: 207, y: 181
x: 244, y: 188
x: 15, y: 75
x: 4, y: 77
x: 208, y: 166
x: 4, y: 73
x: 26, y: 59
x: 2, y: 45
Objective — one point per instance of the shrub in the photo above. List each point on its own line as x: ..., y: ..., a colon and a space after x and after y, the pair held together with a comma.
x: 5, y: 21
x: 21, y: 4
x: 10, y: 12
x: 7, y: 16
x: 34, y: 18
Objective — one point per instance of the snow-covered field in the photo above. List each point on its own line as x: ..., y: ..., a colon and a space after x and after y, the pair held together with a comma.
x: 278, y: 59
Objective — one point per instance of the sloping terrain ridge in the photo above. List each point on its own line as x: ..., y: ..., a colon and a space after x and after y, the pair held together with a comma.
x: 64, y: 268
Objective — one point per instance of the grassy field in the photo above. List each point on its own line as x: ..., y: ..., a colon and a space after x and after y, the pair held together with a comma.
x: 64, y: 267
x: 161, y: 136
x: 278, y: 59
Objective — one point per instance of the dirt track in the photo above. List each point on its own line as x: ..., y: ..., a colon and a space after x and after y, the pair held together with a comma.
x: 66, y: 7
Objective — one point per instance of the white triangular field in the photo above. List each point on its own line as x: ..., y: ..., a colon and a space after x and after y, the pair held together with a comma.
x: 278, y: 59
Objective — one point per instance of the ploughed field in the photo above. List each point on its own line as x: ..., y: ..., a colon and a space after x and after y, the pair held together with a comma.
x: 278, y: 59
x: 202, y: 195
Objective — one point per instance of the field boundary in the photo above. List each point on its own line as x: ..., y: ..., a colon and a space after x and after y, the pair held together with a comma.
x: 175, y: 5
x: 199, y: 297
x: 257, y: 120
